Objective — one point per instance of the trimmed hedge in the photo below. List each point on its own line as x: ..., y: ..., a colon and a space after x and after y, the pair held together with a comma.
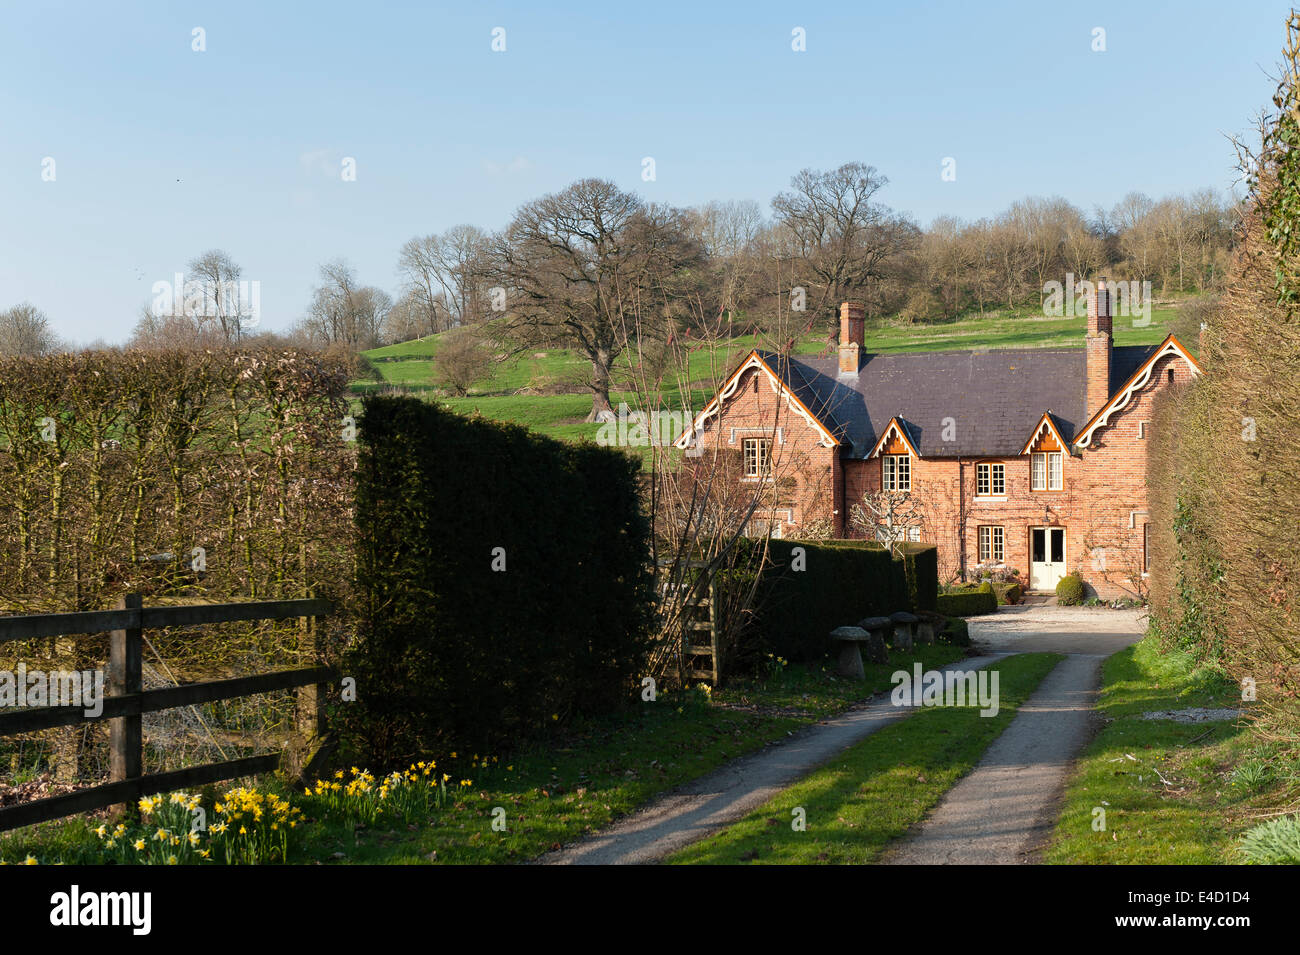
x: 968, y: 603
x: 921, y: 564
x: 841, y: 582
x: 503, y: 580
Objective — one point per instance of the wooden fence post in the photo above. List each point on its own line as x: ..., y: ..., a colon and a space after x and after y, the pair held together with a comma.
x: 312, y: 743
x: 125, y: 677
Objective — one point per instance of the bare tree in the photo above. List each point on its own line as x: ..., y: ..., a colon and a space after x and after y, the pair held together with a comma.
x: 25, y: 330
x: 888, y: 516
x: 218, y: 276
x: 586, y: 265
x: 444, y: 274
x: 343, y: 312
x: 842, y: 235
x: 728, y: 234
x: 182, y: 331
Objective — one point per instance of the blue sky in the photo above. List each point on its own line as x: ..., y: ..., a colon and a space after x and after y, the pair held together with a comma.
x: 162, y: 152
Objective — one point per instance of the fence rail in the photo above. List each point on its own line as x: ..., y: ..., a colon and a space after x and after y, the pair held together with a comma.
x: 127, y: 701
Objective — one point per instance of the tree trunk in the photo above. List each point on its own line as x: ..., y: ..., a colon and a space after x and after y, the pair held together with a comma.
x: 599, y: 385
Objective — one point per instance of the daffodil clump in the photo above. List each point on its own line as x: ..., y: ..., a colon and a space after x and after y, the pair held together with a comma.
x: 253, y: 827
x: 167, y: 834
x: 249, y: 828
x: 409, y: 796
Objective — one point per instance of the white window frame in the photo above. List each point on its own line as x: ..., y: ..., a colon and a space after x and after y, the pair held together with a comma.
x: 988, y: 475
x: 896, y: 472
x: 761, y: 466
x: 1047, y: 471
x: 992, y: 546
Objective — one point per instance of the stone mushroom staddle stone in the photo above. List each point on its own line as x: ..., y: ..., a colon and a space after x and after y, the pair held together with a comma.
x: 928, y: 626
x: 876, y: 628
x: 850, y: 639
x: 904, y: 624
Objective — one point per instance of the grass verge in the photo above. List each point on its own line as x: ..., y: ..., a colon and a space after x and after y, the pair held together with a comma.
x: 581, y: 780
x: 871, y: 794
x: 1173, y: 793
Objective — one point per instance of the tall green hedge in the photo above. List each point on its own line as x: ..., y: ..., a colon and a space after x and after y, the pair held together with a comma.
x: 841, y: 581
x: 454, y: 651
x: 921, y: 565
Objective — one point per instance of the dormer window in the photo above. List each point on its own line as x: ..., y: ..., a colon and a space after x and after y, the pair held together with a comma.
x: 1045, y: 473
x: 896, y: 472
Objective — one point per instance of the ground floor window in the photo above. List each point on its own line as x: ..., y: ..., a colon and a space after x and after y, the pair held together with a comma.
x: 991, y: 549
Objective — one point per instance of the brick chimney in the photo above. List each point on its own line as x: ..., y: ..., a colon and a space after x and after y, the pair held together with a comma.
x: 853, y: 317
x: 1098, y: 342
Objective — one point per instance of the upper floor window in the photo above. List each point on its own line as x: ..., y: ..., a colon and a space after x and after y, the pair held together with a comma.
x: 758, y: 457
x: 896, y: 472
x: 1045, y: 471
x: 990, y: 478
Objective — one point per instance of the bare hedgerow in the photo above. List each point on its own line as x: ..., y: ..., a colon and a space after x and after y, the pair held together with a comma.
x: 1230, y: 493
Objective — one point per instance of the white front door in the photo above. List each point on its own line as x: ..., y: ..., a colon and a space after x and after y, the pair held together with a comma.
x: 1046, y: 557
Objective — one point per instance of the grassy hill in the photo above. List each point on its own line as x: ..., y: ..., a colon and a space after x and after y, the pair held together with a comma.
x: 523, y: 390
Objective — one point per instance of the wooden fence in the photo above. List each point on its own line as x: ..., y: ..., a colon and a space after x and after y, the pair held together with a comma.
x: 126, y: 701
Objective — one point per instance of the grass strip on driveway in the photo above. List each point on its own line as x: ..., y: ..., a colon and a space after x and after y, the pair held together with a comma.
x: 858, y: 803
x: 1173, y: 793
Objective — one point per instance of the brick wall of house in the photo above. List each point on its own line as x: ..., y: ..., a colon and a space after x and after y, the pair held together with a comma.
x: 1102, y: 504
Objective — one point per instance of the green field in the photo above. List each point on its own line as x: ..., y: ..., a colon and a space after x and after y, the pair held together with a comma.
x: 511, y: 392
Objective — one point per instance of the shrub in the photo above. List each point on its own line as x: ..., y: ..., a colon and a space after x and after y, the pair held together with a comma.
x: 1008, y: 593
x: 967, y: 603
x: 1276, y: 842
x: 462, y: 360
x: 503, y: 582
x: 1069, y: 591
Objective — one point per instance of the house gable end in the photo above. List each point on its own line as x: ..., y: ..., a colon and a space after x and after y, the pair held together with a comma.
x: 756, y: 363
x: 1136, y: 383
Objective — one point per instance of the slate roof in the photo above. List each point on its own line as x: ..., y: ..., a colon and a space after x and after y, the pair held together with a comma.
x: 994, y: 397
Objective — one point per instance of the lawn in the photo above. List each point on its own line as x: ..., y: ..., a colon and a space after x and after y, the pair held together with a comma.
x: 1172, y: 793
x: 869, y: 796
x: 560, y: 789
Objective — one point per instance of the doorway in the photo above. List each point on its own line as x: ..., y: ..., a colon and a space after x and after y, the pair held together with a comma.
x: 1046, y: 557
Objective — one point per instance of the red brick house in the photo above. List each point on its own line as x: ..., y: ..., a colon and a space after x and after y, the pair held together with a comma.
x: 1025, y: 459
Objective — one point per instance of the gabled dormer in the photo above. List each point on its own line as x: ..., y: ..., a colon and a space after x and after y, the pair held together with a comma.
x: 896, y: 448
x: 1046, y: 450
